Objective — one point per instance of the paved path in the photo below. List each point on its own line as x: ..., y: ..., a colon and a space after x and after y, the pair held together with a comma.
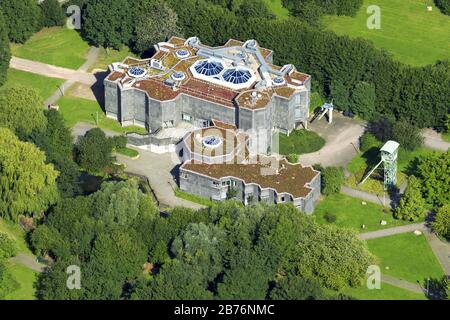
x: 52, y: 71
x: 81, y: 128
x: 441, y: 250
x: 159, y: 169
x: 393, y: 231
x: 366, y: 196
x: 433, y: 140
x: 341, y: 137
x: 402, y: 284
x: 28, y: 261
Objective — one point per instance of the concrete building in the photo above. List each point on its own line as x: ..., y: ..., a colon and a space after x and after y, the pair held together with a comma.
x: 218, y: 108
x: 186, y: 81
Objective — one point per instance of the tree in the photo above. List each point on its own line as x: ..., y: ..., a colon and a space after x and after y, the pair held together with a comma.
x: 156, y: 22
x: 382, y: 128
x: 27, y: 184
x: 363, y: 100
x: 56, y: 140
x: 94, y: 151
x: 433, y: 172
x: 7, y: 282
x: 7, y: 247
x: 5, y: 52
x: 441, y: 223
x: 412, y: 204
x: 407, y: 135
x: 22, y: 18
x: 254, y: 9
x: 293, y: 287
x: 53, y: 14
x: 21, y: 110
x: 120, y: 203
x: 108, y: 23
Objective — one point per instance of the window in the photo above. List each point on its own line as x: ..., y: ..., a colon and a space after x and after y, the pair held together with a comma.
x: 186, y: 117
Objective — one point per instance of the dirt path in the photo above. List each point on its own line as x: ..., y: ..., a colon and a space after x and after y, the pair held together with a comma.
x: 28, y: 261
x: 52, y: 71
x: 433, y: 140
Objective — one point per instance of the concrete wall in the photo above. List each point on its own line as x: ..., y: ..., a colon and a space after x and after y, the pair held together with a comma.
x: 204, y: 186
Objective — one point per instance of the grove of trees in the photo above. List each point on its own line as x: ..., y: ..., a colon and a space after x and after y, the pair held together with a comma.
x: 227, y: 251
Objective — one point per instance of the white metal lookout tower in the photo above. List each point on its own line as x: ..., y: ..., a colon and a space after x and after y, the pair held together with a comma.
x: 389, y: 153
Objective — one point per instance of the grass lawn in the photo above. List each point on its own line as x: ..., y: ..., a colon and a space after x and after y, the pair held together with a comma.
x: 446, y: 136
x: 127, y: 152
x: 300, y: 142
x: 44, y: 85
x: 350, y: 213
x: 76, y: 110
x: 26, y: 278
x: 14, y: 231
x: 408, y: 31
x: 387, y: 292
x: 316, y: 101
x: 58, y: 46
x: 105, y: 58
x: 277, y: 8
x: 407, y: 256
x: 194, y: 198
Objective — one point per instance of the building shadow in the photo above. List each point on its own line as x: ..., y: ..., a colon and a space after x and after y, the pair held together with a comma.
x: 98, y: 89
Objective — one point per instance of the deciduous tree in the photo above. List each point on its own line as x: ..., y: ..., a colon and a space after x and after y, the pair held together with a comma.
x: 412, y: 204
x: 27, y: 183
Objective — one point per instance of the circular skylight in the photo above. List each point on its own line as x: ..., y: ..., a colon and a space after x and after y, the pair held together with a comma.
x: 278, y: 81
x: 212, y: 141
x: 178, y: 76
x: 137, y: 72
x: 236, y: 76
x: 209, y: 68
x: 182, y: 53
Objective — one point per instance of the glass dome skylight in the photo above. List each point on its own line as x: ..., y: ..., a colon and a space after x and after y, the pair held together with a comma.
x: 209, y: 68
x: 137, y: 72
x: 236, y: 76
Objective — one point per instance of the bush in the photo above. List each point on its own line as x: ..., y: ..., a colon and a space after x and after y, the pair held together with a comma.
x: 367, y: 141
x: 441, y: 222
x: 119, y: 142
x: 94, y: 151
x: 332, y: 180
x: 292, y: 158
x: 7, y: 247
x: 444, y: 6
x: 407, y: 135
x: 330, y: 217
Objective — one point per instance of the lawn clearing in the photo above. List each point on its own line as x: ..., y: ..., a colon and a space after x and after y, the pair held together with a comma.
x: 277, y: 8
x: 300, y: 142
x: 446, y: 136
x: 14, y: 231
x: 361, y: 164
x: 407, y: 256
x: 316, y: 101
x: 44, y: 86
x: 57, y: 46
x: 26, y: 278
x: 408, y: 31
x: 386, y: 292
x: 76, y: 110
x: 194, y: 198
x: 127, y: 152
x: 351, y: 213
x: 105, y: 58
